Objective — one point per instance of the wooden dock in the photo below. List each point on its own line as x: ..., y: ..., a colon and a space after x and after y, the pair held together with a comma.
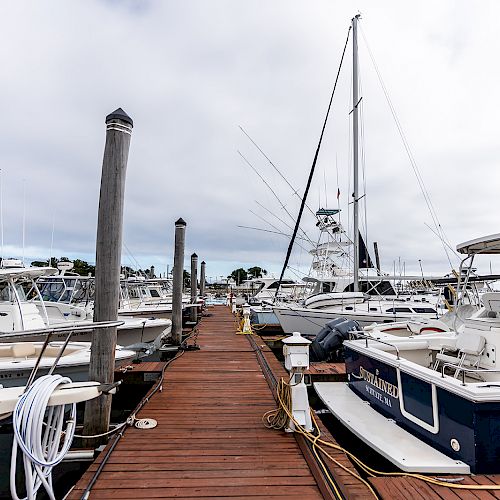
x: 210, y: 440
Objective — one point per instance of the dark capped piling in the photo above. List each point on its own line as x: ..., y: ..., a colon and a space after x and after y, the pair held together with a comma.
x: 108, y: 264
x: 194, y: 286
x: 178, y: 281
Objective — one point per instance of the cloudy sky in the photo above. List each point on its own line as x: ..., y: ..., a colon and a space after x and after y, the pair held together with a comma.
x: 191, y: 72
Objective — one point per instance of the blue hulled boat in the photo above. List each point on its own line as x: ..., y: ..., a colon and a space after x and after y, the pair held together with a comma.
x: 442, y: 388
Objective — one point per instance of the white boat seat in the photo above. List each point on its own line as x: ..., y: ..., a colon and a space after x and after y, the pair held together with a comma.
x: 469, y: 347
x: 491, y: 302
x: 22, y: 350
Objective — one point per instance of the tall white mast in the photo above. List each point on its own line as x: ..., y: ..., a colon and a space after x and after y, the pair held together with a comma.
x: 355, y: 101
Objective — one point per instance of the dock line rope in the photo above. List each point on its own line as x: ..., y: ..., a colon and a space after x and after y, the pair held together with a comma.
x: 42, y: 446
x: 317, y: 443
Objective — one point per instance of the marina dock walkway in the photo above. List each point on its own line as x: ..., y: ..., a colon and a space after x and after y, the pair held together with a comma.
x: 210, y: 440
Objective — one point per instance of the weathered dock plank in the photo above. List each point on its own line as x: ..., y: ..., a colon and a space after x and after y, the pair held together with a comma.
x: 210, y: 440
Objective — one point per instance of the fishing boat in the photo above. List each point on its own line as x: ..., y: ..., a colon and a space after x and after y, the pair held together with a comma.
x: 23, y: 315
x: 438, y: 391
x: 139, y: 297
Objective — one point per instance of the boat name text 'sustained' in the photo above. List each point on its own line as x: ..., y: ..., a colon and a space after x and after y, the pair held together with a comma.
x: 381, y: 384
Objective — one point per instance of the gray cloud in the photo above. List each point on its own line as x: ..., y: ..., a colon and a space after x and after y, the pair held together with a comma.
x: 190, y: 72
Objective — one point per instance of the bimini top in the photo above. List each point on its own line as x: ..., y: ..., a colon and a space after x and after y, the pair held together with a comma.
x: 484, y: 245
x: 25, y: 272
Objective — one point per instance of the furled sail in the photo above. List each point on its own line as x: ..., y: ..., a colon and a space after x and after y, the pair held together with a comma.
x: 364, y: 257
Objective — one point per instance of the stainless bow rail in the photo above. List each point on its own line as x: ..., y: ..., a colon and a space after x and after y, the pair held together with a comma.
x: 368, y: 337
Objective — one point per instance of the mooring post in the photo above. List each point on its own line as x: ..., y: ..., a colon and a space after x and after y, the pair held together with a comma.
x: 202, y: 278
x: 178, y: 279
x: 194, y: 287
x: 108, y: 266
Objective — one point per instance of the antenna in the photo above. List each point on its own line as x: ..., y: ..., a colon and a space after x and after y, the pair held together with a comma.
x: 52, y: 241
x: 24, y: 216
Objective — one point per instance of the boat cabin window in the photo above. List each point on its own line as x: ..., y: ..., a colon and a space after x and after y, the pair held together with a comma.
x: 273, y: 285
x: 399, y: 310
x: 428, y: 310
x: 373, y: 288
x: 154, y: 292
x: 373, y: 309
x: 133, y: 293
x: 349, y: 308
x: 328, y: 286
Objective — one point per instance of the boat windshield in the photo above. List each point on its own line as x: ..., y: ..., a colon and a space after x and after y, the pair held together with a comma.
x: 7, y: 293
x: 65, y: 290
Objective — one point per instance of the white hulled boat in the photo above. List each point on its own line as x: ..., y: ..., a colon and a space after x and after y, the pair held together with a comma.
x: 22, y: 315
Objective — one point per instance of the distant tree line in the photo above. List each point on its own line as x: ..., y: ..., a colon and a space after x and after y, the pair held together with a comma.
x: 239, y: 275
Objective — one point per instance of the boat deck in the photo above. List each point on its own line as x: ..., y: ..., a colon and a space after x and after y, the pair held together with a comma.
x: 210, y: 440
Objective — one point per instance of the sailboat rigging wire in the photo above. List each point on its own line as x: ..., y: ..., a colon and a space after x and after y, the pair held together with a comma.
x: 132, y: 258
x: 363, y: 164
x: 24, y: 216
x: 326, y: 191
x: 311, y: 173
x: 444, y: 241
x: 409, y: 152
x: 295, y: 192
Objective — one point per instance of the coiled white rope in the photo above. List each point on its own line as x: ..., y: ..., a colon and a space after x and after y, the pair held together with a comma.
x: 38, y: 432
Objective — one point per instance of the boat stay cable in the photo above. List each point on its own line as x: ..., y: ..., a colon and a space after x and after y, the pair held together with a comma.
x: 311, y: 173
x: 409, y: 153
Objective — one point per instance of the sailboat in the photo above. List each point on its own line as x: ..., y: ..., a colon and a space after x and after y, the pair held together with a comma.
x: 360, y: 291
x: 428, y: 402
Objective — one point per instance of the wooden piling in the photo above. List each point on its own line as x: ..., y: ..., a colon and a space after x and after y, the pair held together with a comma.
x: 108, y: 264
x: 194, y: 286
x: 178, y: 278
x: 202, y: 278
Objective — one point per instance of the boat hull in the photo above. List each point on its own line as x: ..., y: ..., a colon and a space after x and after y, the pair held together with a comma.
x: 264, y: 320
x: 462, y: 429
x: 311, y: 321
x: 147, y: 313
x: 14, y: 374
x: 129, y: 333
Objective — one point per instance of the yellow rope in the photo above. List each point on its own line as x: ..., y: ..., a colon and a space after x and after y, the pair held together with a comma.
x: 285, y: 406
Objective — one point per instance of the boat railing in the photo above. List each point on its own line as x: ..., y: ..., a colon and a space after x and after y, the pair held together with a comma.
x: 87, y: 327
x: 465, y: 370
x: 368, y: 337
x: 62, y: 329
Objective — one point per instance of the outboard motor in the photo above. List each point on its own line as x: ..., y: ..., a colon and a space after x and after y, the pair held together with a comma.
x: 328, y: 341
